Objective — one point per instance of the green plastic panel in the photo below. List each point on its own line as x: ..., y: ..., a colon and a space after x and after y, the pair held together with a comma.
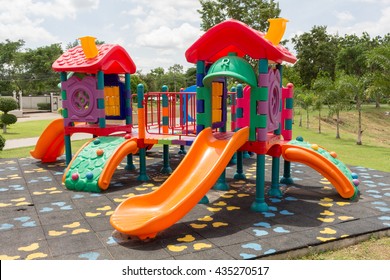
x: 88, y: 165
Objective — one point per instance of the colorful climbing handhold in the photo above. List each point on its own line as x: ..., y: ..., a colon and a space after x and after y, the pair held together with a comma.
x: 75, y: 176
x: 354, y: 176
x: 99, y: 152
x: 356, y: 182
x: 89, y: 175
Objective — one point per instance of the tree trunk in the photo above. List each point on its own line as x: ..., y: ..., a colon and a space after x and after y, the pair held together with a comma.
x: 338, y: 125
x: 359, y: 134
x: 319, y: 121
x: 377, y: 101
x: 307, y: 119
x: 300, y: 120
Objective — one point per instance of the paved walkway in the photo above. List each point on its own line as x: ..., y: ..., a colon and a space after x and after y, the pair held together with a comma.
x: 40, y: 219
x: 27, y: 142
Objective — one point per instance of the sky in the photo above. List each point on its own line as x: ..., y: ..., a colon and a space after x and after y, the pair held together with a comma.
x: 156, y: 33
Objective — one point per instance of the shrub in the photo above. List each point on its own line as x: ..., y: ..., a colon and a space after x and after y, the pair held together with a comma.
x: 8, y: 104
x: 44, y: 106
x: 2, y: 142
x: 7, y: 119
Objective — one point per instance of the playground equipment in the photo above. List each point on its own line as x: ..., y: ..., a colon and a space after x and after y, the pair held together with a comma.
x: 260, y: 115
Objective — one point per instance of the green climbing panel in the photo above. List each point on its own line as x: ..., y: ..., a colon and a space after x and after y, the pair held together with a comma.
x: 85, y: 169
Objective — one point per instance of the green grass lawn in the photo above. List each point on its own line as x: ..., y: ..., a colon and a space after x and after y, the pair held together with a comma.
x: 366, y: 155
x: 26, y: 129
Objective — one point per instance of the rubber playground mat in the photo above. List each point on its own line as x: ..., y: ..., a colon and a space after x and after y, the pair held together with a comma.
x: 41, y: 219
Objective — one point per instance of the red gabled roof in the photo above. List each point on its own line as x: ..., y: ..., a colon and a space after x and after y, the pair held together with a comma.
x: 235, y: 36
x: 112, y: 59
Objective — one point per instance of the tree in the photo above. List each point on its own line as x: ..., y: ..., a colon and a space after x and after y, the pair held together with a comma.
x: 7, y: 105
x: 254, y: 13
x: 338, y: 100
x: 304, y: 100
x: 9, y: 64
x: 316, y: 52
x: 378, y: 61
x: 321, y: 86
x: 38, y: 68
x: 175, y: 78
x: 353, y: 87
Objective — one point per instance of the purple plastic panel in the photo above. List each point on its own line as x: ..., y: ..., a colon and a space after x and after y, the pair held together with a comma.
x: 274, y: 99
x: 261, y: 134
x: 264, y: 80
x: 81, y: 101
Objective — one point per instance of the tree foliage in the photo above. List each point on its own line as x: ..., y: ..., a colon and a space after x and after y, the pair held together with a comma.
x: 28, y: 70
x: 254, y: 13
x: 316, y: 52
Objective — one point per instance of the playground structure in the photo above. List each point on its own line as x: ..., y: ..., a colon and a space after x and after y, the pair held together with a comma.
x: 260, y: 115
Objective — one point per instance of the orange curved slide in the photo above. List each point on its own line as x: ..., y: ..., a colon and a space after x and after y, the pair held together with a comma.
x: 326, y: 167
x: 128, y: 147
x: 146, y: 215
x: 50, y: 144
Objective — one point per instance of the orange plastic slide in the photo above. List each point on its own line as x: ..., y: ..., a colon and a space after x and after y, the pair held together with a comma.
x: 146, y: 215
x: 50, y: 144
x: 128, y: 147
x: 334, y: 173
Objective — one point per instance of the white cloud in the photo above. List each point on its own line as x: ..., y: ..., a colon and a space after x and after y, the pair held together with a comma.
x: 344, y: 16
x: 171, y: 38
x: 25, y: 19
x: 374, y: 28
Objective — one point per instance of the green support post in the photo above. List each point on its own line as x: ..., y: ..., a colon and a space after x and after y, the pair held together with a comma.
x: 68, y: 149
x: 259, y: 205
x: 275, y: 187
x: 182, y: 150
x: 67, y: 140
x: 287, y: 179
x: 142, y: 166
x: 166, y: 169
x: 239, y: 175
x: 100, y: 101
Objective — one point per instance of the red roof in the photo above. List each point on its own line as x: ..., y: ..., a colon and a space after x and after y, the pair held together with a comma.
x: 235, y: 36
x: 112, y: 59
